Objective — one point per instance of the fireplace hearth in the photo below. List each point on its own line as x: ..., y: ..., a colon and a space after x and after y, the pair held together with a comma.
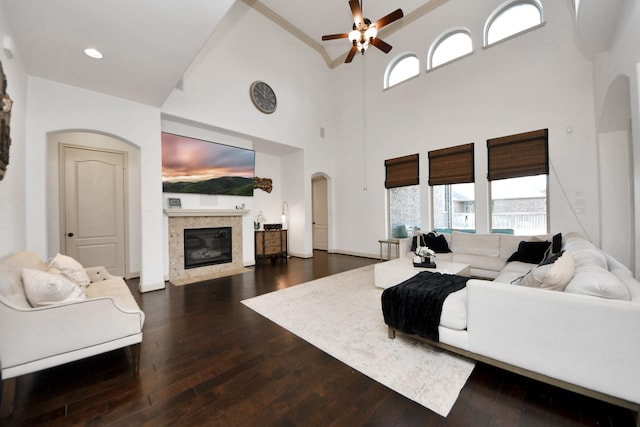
x: 181, y: 220
x: 207, y: 246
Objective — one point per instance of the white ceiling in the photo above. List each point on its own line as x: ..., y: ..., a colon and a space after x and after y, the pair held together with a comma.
x: 149, y: 44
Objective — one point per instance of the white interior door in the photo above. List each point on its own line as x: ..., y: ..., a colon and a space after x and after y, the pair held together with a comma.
x: 320, y: 214
x: 93, y: 218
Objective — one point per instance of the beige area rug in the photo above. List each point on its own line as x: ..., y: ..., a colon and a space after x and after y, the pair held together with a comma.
x: 342, y: 315
x: 195, y: 279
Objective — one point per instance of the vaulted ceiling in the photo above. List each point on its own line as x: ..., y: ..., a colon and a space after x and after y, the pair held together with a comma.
x: 149, y: 44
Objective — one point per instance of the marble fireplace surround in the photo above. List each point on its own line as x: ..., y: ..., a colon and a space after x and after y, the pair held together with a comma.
x: 179, y: 219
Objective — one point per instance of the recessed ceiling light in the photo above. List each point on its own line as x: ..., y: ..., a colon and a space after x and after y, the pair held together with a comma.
x: 94, y: 53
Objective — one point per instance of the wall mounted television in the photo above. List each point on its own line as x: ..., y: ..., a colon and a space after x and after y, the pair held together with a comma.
x: 191, y: 165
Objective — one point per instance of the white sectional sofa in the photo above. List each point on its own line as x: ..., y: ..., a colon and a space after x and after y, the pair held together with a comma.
x: 47, y: 320
x: 582, y: 336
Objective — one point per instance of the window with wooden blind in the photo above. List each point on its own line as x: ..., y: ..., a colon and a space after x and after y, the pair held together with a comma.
x: 451, y: 176
x: 513, y: 156
x: 402, y: 171
x: 452, y: 165
x: 518, y: 169
x: 402, y: 180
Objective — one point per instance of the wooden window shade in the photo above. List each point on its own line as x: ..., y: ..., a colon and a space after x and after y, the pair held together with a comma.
x: 453, y: 165
x: 524, y: 154
x: 402, y: 171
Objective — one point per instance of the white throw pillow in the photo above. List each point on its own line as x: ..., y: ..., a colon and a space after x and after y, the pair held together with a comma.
x: 70, y: 268
x: 595, y: 280
x: 45, y: 288
x: 554, y: 276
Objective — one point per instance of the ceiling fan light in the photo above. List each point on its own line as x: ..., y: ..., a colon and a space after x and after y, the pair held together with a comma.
x: 371, y: 33
x: 354, y: 36
x: 362, y: 46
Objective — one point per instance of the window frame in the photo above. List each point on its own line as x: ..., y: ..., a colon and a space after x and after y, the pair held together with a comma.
x: 440, y: 39
x: 390, y: 227
x: 451, y: 166
x: 393, y: 63
x: 533, y: 142
x: 503, y: 8
x: 450, y: 207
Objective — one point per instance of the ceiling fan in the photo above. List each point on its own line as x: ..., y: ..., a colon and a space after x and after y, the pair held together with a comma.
x: 364, y: 32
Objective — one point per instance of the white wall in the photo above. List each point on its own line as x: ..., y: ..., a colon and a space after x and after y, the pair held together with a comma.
x: 54, y: 107
x: 215, y: 93
x: 537, y: 80
x: 622, y: 59
x: 615, y: 187
x: 266, y: 166
x: 13, y: 187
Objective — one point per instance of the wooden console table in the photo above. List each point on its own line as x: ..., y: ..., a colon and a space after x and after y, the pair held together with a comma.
x: 271, y: 243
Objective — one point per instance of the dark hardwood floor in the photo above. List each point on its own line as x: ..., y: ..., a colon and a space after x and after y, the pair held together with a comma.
x: 208, y: 360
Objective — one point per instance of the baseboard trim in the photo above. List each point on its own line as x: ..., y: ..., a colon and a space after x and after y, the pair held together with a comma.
x: 149, y: 287
x: 358, y: 254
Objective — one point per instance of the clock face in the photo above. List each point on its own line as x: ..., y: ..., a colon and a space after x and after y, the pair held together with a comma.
x: 263, y: 97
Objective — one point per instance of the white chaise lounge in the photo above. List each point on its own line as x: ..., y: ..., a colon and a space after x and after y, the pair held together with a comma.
x: 106, y: 317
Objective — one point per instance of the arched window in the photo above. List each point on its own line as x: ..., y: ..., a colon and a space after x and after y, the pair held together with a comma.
x: 450, y: 45
x: 401, y: 68
x: 512, y: 17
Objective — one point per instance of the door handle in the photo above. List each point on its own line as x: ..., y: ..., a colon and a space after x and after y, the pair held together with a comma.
x: 70, y: 234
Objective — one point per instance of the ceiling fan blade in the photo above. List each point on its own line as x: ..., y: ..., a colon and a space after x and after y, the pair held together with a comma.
x: 335, y: 36
x: 351, y: 54
x: 356, y: 10
x: 383, y: 46
x: 386, y: 20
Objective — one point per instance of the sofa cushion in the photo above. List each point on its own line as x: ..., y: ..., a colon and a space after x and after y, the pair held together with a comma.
x: 436, y: 242
x: 509, y: 244
x: 117, y: 289
x: 588, y: 257
x: 597, y: 281
x: 70, y: 268
x: 584, y: 252
x: 454, y: 311
x: 11, y: 288
x: 531, y: 252
x: 512, y: 271
x: 550, y: 275
x: 630, y: 282
x: 45, y: 288
x: 475, y: 244
x: 556, y: 241
x: 482, y: 262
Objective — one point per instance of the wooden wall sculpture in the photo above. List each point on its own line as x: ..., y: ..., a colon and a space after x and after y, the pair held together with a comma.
x: 264, y: 184
x: 5, y: 129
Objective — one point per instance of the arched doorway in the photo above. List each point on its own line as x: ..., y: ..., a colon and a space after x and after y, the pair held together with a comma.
x: 320, y: 213
x: 615, y: 157
x: 110, y: 162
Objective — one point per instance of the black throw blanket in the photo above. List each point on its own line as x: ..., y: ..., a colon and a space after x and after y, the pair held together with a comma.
x: 415, y: 305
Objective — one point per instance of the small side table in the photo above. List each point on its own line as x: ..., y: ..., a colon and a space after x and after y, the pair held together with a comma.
x: 389, y: 243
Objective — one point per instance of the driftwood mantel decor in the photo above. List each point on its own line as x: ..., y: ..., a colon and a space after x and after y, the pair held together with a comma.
x: 5, y: 130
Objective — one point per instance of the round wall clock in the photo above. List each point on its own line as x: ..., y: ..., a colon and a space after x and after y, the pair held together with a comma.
x: 263, y: 97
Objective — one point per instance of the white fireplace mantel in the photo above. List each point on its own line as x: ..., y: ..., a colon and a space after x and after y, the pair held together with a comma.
x: 205, y: 212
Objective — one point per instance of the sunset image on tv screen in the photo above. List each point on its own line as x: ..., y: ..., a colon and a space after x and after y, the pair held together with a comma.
x: 196, y: 166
